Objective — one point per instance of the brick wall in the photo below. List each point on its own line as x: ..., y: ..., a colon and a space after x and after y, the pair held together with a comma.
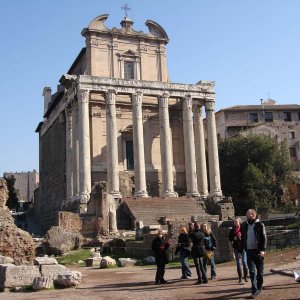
x: 69, y: 221
x: 52, y: 174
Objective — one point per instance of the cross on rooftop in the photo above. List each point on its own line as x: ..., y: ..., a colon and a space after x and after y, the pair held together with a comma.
x: 126, y: 8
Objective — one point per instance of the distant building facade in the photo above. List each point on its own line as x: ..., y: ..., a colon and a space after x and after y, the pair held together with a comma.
x: 280, y: 121
x: 26, y: 183
x: 116, y: 117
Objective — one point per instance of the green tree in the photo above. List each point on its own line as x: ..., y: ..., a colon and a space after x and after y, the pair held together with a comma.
x: 254, y: 171
x: 13, y: 193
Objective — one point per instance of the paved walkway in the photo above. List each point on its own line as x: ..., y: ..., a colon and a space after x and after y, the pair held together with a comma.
x: 137, y: 283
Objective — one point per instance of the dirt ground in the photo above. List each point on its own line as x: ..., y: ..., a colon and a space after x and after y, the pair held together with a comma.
x: 138, y: 283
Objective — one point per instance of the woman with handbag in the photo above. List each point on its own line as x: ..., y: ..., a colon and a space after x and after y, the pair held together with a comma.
x: 184, y: 249
x: 235, y: 236
x: 210, y: 246
x: 197, y: 238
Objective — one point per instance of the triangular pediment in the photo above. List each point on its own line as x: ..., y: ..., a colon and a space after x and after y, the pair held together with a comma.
x: 129, y: 53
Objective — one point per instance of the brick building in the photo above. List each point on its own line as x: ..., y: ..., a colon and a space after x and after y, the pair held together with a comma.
x: 26, y: 183
x: 280, y: 121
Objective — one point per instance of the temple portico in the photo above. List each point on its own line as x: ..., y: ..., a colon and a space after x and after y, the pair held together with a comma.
x: 191, y: 98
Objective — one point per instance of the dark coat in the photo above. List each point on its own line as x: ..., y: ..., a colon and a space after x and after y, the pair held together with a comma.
x: 184, y: 243
x: 159, y: 248
x: 260, y: 234
x: 236, y: 241
x: 197, y: 238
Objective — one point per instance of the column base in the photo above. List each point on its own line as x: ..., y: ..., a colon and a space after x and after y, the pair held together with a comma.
x: 116, y: 194
x: 204, y: 196
x: 169, y: 194
x: 216, y: 193
x: 84, y: 198
x: 83, y: 208
x: 141, y: 194
x: 192, y: 194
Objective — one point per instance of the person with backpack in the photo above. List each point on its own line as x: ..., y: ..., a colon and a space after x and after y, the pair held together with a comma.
x: 210, y: 244
x: 235, y: 237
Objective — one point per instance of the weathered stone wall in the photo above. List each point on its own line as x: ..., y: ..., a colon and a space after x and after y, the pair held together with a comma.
x: 14, y: 242
x: 283, y: 239
x: 97, y: 219
x: 52, y: 174
x: 69, y: 221
x: 223, y: 251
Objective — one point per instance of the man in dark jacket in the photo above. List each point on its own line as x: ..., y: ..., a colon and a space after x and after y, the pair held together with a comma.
x: 159, y: 248
x: 254, y: 241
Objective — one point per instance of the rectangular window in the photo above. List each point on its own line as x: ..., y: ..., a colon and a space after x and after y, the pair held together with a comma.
x: 128, y: 69
x: 292, y: 152
x: 253, y: 117
x: 287, y: 116
x: 298, y: 115
x: 292, y: 135
x: 268, y: 116
x: 129, y: 155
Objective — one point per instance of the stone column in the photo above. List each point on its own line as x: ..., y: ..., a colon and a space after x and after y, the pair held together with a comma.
x: 166, y: 148
x: 200, y: 151
x: 138, y: 146
x: 84, y: 146
x: 69, y: 151
x: 189, y: 148
x: 112, y: 145
x: 75, y: 153
x: 213, y: 156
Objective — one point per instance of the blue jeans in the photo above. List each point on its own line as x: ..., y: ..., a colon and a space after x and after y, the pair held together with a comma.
x: 184, y: 259
x: 213, y: 272
x: 199, y: 269
x: 254, y: 260
x: 238, y: 256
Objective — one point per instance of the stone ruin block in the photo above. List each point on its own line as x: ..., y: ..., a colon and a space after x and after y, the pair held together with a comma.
x: 127, y: 262
x: 44, y: 260
x: 42, y: 283
x: 14, y: 276
x: 93, y: 261
x: 14, y: 242
x: 52, y: 271
x: 68, y: 278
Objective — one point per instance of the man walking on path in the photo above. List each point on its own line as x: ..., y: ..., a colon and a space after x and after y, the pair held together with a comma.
x: 254, y: 241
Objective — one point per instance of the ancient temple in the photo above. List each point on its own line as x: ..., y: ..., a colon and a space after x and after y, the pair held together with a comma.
x: 116, y: 117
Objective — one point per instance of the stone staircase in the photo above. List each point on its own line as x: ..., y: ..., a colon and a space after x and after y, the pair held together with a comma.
x: 150, y: 210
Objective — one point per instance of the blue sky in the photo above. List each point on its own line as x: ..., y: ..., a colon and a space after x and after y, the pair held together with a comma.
x: 250, y: 48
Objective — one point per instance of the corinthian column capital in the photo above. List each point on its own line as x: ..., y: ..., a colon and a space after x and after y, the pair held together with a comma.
x: 137, y: 98
x: 188, y: 102
x: 210, y: 105
x: 164, y: 100
x: 83, y: 96
x: 110, y: 97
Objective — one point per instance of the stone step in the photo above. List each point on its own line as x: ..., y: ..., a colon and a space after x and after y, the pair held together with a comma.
x: 150, y: 210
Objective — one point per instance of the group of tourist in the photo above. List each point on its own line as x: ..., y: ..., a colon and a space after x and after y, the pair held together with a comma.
x: 248, y: 241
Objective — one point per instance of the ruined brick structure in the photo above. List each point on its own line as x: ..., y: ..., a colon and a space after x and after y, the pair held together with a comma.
x: 14, y: 242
